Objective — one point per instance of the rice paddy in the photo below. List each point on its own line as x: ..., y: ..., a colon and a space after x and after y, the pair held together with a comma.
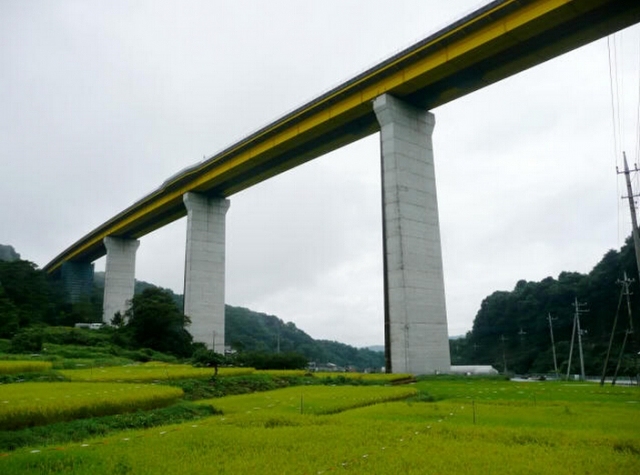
x: 30, y: 404
x: 17, y: 367
x: 474, y: 427
x: 148, y: 372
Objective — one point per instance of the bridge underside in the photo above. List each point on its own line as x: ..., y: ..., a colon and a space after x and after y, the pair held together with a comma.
x: 497, y: 41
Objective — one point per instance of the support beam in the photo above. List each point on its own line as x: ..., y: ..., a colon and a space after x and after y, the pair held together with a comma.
x: 416, y: 337
x: 119, y: 275
x: 77, y: 279
x: 204, y: 270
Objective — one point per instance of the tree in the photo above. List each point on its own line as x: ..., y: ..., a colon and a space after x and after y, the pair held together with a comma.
x: 154, y: 321
x: 32, y: 295
x: 9, y: 320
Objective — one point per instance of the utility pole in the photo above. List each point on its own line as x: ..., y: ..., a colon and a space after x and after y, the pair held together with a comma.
x: 578, y: 330
x: 628, y: 332
x: 553, y: 347
x: 504, y: 353
x: 625, y: 290
x: 578, y: 311
x: 573, y: 335
x: 632, y: 208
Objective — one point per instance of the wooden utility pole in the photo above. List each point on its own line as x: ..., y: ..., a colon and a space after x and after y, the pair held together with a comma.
x: 578, y: 330
x: 577, y: 305
x: 627, y: 332
x: 625, y: 290
x: 553, y: 347
x: 632, y: 208
x: 504, y: 353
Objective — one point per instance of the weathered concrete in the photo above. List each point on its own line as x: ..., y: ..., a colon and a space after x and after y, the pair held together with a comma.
x: 204, y: 270
x: 415, y: 312
x: 77, y: 280
x: 119, y: 275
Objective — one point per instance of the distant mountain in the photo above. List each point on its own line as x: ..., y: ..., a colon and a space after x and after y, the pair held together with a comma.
x: 377, y: 348
x: 8, y: 253
x: 246, y: 330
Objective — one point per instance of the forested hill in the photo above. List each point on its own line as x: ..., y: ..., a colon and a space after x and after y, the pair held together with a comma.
x: 513, y: 326
x: 8, y: 253
x: 247, y: 330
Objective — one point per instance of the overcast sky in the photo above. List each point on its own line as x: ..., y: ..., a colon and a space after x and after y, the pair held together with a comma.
x: 101, y: 101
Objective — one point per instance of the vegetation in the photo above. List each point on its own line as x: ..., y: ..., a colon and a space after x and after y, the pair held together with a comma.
x: 513, y: 327
x: 148, y: 372
x: 17, y: 367
x: 154, y: 321
x: 247, y: 331
x: 81, y: 429
x: 31, y: 305
x: 476, y: 426
x: 32, y: 404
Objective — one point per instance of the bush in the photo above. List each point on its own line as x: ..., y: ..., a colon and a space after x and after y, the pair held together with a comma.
x: 207, y: 358
x: 28, y: 340
x: 288, y: 360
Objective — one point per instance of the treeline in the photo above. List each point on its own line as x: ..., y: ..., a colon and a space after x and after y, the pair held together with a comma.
x: 512, y: 327
x: 28, y: 298
x: 249, y: 331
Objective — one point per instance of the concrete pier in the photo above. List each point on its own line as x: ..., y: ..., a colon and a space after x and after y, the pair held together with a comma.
x: 416, y: 336
x: 204, y: 270
x: 77, y: 279
x: 119, y: 275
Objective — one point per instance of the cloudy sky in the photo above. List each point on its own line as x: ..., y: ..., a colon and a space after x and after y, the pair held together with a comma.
x: 101, y: 101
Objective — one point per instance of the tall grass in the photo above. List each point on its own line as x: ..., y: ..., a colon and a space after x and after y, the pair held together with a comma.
x: 32, y: 404
x: 148, y: 372
x: 309, y: 399
x: 17, y: 367
x: 476, y: 427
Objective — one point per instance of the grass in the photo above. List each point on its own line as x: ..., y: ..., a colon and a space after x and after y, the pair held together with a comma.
x: 31, y: 404
x: 365, y: 378
x: 80, y: 429
x: 310, y: 400
x: 17, y: 367
x: 148, y: 372
x: 474, y: 427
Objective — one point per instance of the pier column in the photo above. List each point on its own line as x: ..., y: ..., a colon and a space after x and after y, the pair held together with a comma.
x: 204, y: 270
x: 416, y: 337
x: 119, y: 275
x: 77, y: 279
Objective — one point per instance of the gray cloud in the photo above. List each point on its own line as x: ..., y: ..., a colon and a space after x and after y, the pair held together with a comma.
x: 102, y: 101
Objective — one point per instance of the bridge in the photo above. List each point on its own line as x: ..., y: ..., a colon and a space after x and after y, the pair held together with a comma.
x: 498, y: 40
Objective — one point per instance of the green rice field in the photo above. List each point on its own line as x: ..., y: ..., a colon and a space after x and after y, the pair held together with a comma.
x: 17, y: 367
x: 148, y: 372
x: 30, y: 404
x: 459, y: 426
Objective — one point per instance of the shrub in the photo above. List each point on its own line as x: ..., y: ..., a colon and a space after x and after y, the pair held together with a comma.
x: 28, y: 340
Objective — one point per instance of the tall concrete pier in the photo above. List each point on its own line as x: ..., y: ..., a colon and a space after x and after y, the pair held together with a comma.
x: 415, y: 312
x: 119, y: 275
x: 77, y: 278
x: 204, y: 270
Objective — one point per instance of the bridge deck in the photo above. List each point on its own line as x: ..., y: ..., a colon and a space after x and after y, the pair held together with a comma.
x: 492, y: 43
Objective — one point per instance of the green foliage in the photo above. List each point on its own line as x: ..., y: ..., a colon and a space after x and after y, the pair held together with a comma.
x: 81, y: 429
x: 520, y: 316
x: 28, y: 340
x: 154, y: 321
x: 31, y: 404
x: 257, y: 360
x: 207, y: 358
x: 253, y: 332
x: 27, y: 295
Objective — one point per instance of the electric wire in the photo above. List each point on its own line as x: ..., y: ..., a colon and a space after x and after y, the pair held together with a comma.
x: 613, y: 97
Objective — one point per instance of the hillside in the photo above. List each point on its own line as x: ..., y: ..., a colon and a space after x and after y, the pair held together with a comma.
x: 512, y: 327
x: 250, y: 331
